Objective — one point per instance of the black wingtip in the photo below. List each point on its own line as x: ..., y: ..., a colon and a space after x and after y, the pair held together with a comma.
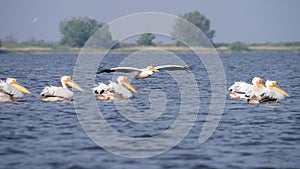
x: 105, y: 71
x: 188, y: 69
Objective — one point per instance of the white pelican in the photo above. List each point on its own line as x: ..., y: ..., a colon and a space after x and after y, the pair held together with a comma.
x: 114, y: 91
x: 10, y: 91
x: 146, y: 72
x: 272, y: 92
x: 243, y: 90
x: 54, y: 93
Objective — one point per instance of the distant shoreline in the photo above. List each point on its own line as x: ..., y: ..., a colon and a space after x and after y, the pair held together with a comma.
x: 125, y: 50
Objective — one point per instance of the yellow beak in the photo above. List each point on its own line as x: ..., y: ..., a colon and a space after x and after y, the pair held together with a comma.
x: 280, y: 90
x: 74, y: 85
x: 129, y: 86
x: 154, y: 70
x: 21, y: 88
x: 260, y: 85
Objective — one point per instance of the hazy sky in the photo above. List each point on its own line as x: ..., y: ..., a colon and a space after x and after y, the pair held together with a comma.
x: 233, y: 20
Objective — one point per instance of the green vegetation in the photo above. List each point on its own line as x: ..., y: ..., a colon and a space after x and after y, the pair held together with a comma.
x: 146, y: 39
x: 183, y: 30
x: 238, y: 47
x: 77, y: 31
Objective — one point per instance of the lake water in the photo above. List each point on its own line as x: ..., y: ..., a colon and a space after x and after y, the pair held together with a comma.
x: 34, y: 134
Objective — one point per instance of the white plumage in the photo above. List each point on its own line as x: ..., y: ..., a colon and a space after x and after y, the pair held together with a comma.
x: 243, y: 90
x: 272, y: 91
x: 54, y: 93
x: 257, y: 93
x: 11, y: 91
x: 114, y: 91
x: 145, y: 72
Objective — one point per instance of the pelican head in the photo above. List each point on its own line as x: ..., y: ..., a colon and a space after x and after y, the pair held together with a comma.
x: 67, y: 80
x: 152, y: 69
x: 258, y: 82
x: 124, y: 81
x: 13, y: 82
x: 272, y: 85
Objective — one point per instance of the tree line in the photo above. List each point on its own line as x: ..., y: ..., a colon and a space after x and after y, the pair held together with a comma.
x: 76, y: 31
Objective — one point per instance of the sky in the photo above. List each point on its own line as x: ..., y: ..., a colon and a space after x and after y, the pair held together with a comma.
x: 250, y: 21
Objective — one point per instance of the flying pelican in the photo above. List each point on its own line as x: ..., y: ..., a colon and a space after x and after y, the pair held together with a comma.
x: 10, y: 91
x: 54, y: 93
x: 115, y: 91
x: 273, y: 92
x: 146, y: 72
x: 243, y: 90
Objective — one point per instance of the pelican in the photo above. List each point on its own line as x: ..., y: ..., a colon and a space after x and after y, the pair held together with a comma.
x: 273, y: 92
x: 146, y: 72
x: 10, y: 91
x: 54, y: 93
x: 114, y: 91
x: 243, y: 90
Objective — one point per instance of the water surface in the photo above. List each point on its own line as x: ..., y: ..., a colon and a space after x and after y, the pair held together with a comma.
x: 34, y: 134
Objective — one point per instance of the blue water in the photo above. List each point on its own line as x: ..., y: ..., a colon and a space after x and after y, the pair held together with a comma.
x: 34, y: 134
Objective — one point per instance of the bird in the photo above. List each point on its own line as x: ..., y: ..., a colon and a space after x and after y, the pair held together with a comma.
x: 10, y: 91
x: 145, y: 72
x: 54, y: 93
x: 35, y: 19
x: 272, y: 93
x: 114, y: 91
x: 243, y: 90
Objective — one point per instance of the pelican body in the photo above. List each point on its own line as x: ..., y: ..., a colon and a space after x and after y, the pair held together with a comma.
x: 243, y: 90
x: 146, y: 72
x: 272, y: 93
x: 10, y: 91
x: 114, y: 91
x: 54, y: 93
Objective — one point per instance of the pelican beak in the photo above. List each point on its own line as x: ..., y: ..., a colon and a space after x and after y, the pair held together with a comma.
x: 260, y: 83
x: 74, y: 85
x: 21, y: 88
x: 124, y: 83
x: 280, y: 90
x: 154, y: 70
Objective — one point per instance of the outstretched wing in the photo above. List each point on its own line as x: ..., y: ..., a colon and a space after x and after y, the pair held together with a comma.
x: 121, y: 69
x: 172, y: 67
x: 53, y: 91
x: 10, y: 90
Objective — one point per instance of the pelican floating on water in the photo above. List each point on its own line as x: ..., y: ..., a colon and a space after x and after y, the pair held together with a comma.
x: 114, y: 91
x: 272, y: 93
x: 146, y: 72
x: 54, y: 93
x: 243, y: 90
x: 10, y: 91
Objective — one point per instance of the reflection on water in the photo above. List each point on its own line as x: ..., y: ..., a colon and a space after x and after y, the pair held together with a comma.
x: 48, y: 135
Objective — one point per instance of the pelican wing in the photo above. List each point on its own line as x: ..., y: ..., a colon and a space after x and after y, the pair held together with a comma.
x: 10, y: 90
x: 119, y: 89
x: 172, y: 67
x: 273, y: 94
x: 241, y: 87
x: 53, y: 91
x: 121, y: 69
